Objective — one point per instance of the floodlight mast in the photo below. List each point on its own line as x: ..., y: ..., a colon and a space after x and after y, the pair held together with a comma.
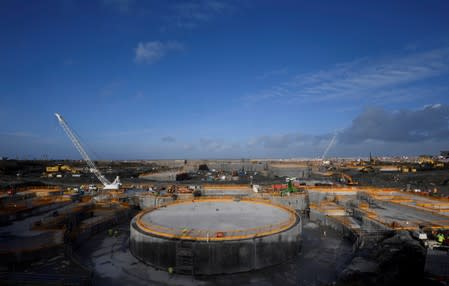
x: 107, y: 184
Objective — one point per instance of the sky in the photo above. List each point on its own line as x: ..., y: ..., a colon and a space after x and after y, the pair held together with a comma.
x: 224, y: 79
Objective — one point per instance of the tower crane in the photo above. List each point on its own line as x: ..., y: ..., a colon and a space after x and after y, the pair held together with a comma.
x: 115, y: 185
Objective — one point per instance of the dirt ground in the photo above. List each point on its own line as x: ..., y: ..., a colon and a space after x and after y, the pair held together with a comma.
x: 321, y: 259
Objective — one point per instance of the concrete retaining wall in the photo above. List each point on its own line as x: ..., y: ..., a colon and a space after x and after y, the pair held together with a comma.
x: 298, y: 172
x: 8, y: 218
x: 318, y: 196
x: 216, y: 257
x: 334, y: 224
x: 295, y: 201
x: 150, y: 201
x: 370, y: 224
x: 161, y: 176
x: 235, y: 166
x: 31, y: 248
x: 86, y: 231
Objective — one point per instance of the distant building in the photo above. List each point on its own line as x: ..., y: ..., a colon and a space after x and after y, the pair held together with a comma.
x: 445, y: 154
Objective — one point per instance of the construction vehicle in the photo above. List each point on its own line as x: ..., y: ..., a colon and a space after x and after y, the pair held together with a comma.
x: 342, y: 178
x: 60, y: 168
x: 115, y: 185
x: 172, y: 189
x: 68, y: 169
x: 52, y: 169
x: 346, y: 179
x: 290, y: 188
x: 90, y: 188
x: 427, y: 163
x: 369, y: 166
x: 407, y: 169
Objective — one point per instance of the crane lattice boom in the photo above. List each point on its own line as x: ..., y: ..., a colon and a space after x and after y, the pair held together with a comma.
x: 331, y: 143
x: 94, y: 169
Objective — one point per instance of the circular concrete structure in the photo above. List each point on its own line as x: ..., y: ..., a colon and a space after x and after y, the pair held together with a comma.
x: 213, y: 236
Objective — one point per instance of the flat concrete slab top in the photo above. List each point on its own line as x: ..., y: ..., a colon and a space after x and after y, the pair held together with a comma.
x: 217, y: 216
x: 407, y: 216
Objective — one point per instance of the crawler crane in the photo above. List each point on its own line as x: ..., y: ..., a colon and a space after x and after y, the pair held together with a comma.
x: 115, y: 185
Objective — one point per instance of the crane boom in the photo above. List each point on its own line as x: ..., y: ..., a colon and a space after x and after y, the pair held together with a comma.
x: 331, y: 143
x: 108, y: 185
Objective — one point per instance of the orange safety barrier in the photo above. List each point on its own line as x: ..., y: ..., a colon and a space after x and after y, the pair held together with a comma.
x: 206, y: 235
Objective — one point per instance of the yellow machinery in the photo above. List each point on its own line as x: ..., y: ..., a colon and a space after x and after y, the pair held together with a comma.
x: 407, y: 169
x: 68, y: 169
x: 429, y: 163
x: 343, y: 178
x: 60, y: 168
x: 52, y: 169
x: 348, y: 180
x: 425, y: 160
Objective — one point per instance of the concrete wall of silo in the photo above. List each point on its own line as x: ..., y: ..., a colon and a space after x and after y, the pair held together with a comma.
x: 217, y: 257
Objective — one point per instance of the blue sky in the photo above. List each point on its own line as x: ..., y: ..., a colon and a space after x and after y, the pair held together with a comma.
x: 224, y: 79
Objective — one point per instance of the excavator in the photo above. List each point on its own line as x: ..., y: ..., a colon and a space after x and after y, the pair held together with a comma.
x: 342, y: 178
x: 346, y: 179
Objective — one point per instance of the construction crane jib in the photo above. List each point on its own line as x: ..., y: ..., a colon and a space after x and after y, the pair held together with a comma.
x: 115, y: 185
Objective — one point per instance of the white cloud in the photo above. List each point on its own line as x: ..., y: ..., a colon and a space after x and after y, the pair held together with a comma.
x: 273, y: 73
x: 189, y: 14
x: 150, y: 52
x: 218, y: 145
x: 359, y: 78
x: 423, y: 125
x: 423, y: 130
